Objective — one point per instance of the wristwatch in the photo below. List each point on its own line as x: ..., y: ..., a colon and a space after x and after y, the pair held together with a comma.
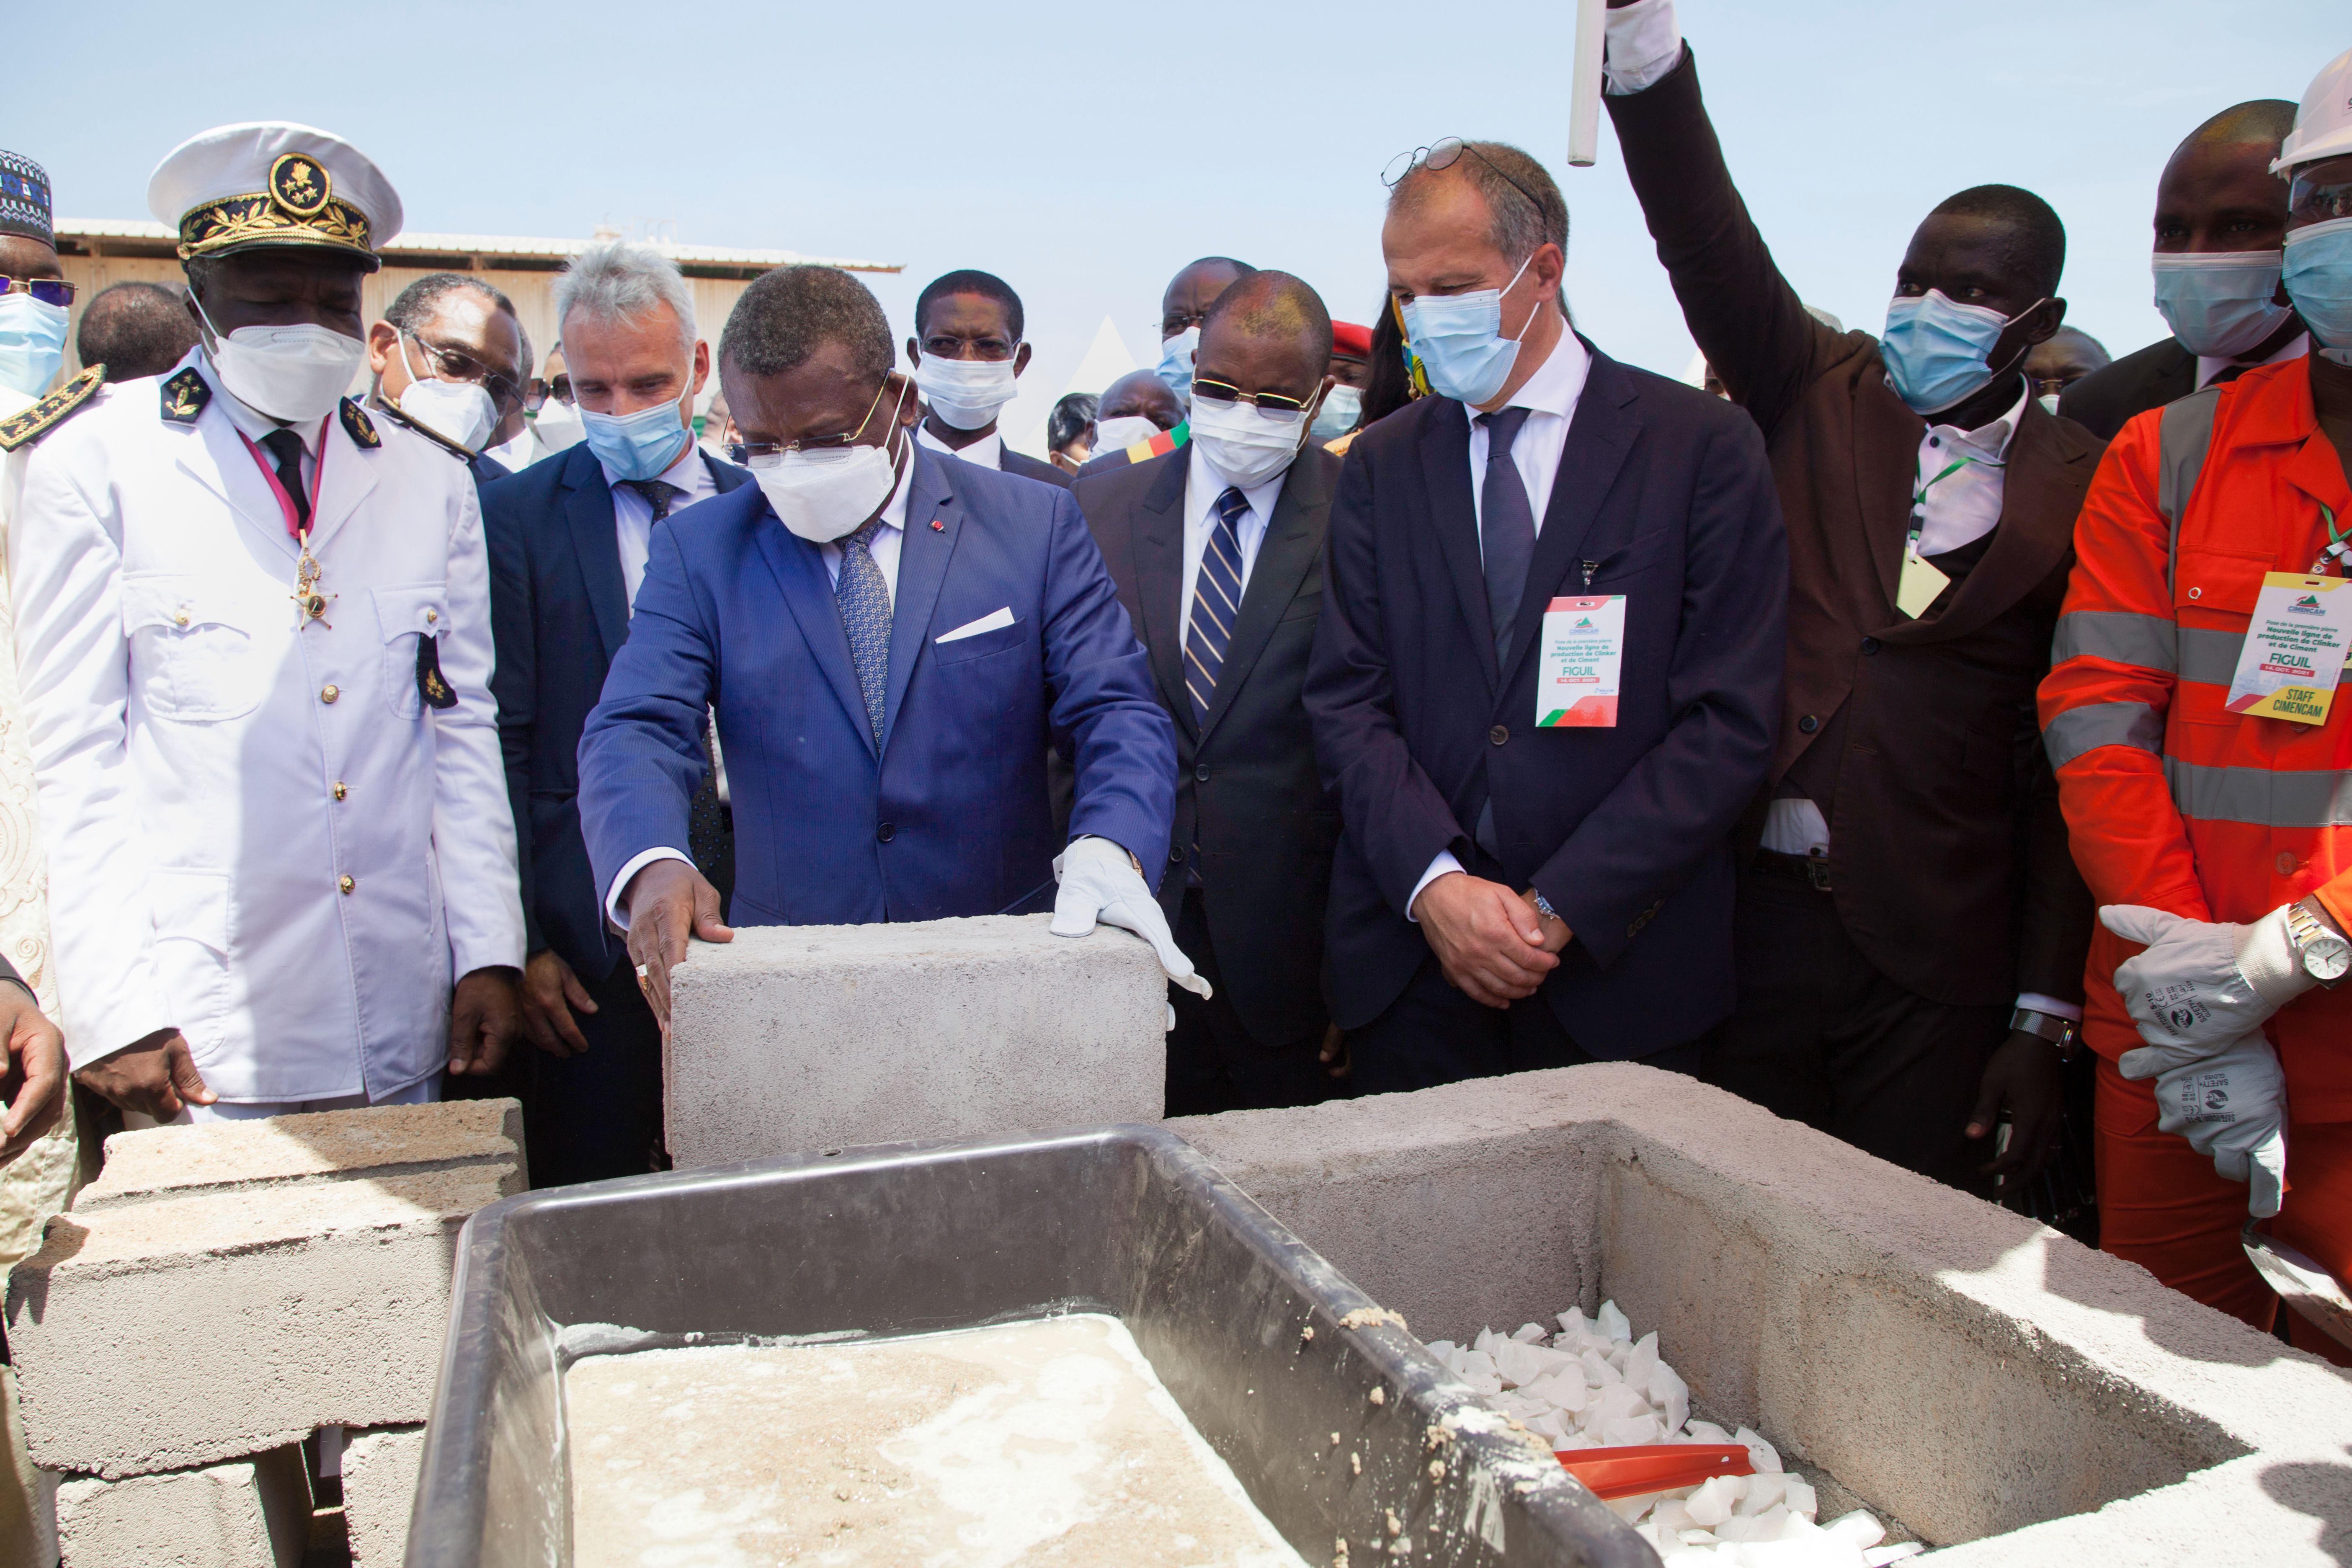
x: 2060, y: 1032
x: 2325, y: 956
x: 1543, y: 908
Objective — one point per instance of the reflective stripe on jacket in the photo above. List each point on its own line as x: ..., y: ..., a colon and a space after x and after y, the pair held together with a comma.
x: 2170, y: 800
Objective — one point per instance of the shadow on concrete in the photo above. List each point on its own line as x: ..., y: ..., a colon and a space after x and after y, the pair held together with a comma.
x: 2323, y: 1492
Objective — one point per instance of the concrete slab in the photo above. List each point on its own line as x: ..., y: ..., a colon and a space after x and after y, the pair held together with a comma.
x: 379, y: 1486
x: 1978, y: 1376
x: 331, y: 1145
x: 255, y: 1514
x: 795, y: 1038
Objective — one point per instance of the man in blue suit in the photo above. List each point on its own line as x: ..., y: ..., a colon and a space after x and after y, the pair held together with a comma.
x: 568, y: 541
x: 1511, y: 891
x: 891, y: 639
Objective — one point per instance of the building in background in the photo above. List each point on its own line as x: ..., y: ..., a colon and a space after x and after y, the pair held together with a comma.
x: 95, y: 253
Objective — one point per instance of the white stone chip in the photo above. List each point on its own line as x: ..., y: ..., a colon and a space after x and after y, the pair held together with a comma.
x: 1765, y: 1456
x: 1859, y: 1528
x: 1612, y: 1323
x: 1529, y: 1334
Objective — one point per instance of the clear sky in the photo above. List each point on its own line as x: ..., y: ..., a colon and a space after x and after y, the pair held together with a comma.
x: 1085, y: 152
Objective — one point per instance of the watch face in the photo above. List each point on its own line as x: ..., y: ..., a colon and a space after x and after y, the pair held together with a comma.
x: 2327, y: 958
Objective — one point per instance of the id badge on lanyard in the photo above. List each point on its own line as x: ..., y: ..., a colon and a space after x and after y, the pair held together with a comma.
x: 1582, y: 663
x: 2292, y: 657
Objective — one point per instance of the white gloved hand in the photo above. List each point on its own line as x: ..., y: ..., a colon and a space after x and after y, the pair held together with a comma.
x: 2232, y: 1106
x: 1099, y: 882
x: 2200, y: 986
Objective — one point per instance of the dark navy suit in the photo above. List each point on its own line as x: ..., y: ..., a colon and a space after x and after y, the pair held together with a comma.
x: 950, y: 817
x: 560, y: 610
x: 1666, y: 493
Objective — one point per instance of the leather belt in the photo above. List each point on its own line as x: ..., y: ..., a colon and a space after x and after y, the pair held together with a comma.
x: 1814, y: 870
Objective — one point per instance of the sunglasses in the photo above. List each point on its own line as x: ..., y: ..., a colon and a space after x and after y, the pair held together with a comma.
x: 542, y: 388
x: 1268, y: 402
x: 48, y: 290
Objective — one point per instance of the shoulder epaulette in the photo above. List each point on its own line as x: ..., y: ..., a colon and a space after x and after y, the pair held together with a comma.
x: 184, y: 396
x: 23, y: 429
x: 359, y: 426
x: 463, y: 454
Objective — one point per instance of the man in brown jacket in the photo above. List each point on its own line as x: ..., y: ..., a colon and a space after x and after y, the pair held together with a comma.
x: 1911, y: 930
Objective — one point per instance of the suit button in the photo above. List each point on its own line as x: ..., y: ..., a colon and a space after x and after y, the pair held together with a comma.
x: 1498, y: 734
x: 340, y: 789
x: 1869, y: 645
x: 1201, y: 776
x: 328, y: 694
x: 1175, y: 856
x: 2287, y: 863
x: 1808, y: 723
x: 885, y: 832
x: 345, y: 883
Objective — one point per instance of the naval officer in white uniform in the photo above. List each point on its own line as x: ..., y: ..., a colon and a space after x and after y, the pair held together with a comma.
x: 253, y: 625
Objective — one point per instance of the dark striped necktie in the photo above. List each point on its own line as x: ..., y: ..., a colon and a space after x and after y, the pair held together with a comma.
x: 1216, y: 599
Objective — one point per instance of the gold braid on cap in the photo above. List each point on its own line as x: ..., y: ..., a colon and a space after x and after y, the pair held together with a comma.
x: 299, y: 208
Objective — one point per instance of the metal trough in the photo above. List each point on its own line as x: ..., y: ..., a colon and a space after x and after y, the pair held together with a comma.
x: 916, y: 1239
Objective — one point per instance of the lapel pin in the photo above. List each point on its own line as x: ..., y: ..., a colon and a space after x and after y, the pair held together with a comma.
x: 938, y: 527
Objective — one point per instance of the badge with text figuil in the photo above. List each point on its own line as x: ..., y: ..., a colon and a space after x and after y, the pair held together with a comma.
x: 1580, y: 663
x: 2293, y: 652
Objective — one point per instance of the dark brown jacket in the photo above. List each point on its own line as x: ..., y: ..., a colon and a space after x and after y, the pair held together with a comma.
x: 1948, y: 853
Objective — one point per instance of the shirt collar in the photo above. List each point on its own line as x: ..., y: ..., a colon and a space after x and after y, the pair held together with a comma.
x: 893, y: 510
x: 689, y: 473
x: 1989, y: 443
x: 2207, y: 367
x: 1558, y: 382
x: 251, y: 422
x: 988, y: 451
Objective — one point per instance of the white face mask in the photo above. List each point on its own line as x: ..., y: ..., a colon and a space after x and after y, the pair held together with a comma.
x: 966, y: 392
x: 293, y: 372
x: 830, y: 493
x: 461, y: 410
x: 557, y: 425
x: 1244, y: 444
x: 1118, y: 434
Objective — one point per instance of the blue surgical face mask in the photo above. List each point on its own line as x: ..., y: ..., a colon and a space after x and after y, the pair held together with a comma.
x: 1342, y: 405
x: 32, y: 344
x: 2319, y: 274
x: 2220, y: 304
x: 1459, y: 339
x: 1175, y: 367
x: 1937, y: 353
x: 640, y: 445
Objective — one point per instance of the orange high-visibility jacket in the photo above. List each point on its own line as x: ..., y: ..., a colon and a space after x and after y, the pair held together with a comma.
x: 2170, y: 800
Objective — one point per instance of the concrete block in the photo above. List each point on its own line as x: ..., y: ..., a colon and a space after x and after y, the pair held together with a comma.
x: 184, y: 1330
x: 254, y: 1513
x: 331, y: 1145
x: 797, y: 1038
x: 379, y: 1486
x: 1979, y: 1377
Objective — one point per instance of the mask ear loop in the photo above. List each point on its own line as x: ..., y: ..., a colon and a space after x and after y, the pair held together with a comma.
x: 1520, y: 336
x: 2018, y: 364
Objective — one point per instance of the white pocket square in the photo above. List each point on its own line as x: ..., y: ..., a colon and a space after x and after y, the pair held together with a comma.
x: 989, y: 623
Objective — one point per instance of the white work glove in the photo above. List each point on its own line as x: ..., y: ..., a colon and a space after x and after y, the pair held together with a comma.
x: 1099, y: 882
x: 2232, y: 1106
x: 2200, y: 986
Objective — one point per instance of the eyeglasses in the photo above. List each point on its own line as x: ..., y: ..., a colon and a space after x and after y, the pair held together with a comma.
x: 1181, y: 320
x: 1266, y: 402
x: 48, y: 290
x: 2311, y: 201
x: 540, y: 388
x: 456, y: 364
x: 1442, y: 155
x: 746, y: 453
x: 945, y: 347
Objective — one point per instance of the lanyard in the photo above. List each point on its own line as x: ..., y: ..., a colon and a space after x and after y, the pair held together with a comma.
x: 2337, y: 547
x: 1919, y: 496
x: 310, y: 604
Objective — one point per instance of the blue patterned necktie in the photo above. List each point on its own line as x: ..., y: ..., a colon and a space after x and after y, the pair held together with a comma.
x: 865, y: 600
x: 1216, y: 600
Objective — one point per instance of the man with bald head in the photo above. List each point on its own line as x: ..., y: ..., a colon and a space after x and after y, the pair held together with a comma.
x: 1217, y: 550
x: 2221, y: 224
x: 1137, y: 420
x: 1183, y: 307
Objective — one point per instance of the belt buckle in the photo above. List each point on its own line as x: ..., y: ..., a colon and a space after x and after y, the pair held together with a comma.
x: 1817, y: 870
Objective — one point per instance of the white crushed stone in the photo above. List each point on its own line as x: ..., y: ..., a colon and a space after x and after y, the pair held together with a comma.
x: 1594, y: 1386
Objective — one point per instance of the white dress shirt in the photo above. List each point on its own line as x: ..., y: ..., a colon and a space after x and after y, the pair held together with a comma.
x: 1203, y: 489
x: 1550, y: 398
x: 883, y: 547
x: 2207, y: 367
x: 988, y: 451
x: 633, y: 514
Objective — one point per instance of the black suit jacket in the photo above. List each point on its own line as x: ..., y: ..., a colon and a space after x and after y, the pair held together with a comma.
x: 2105, y: 401
x: 1663, y: 495
x: 1947, y: 852
x: 1248, y: 794
x: 1029, y: 467
x: 558, y: 612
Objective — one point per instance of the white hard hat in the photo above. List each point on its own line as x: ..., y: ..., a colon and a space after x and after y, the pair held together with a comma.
x: 270, y: 182
x: 2323, y: 126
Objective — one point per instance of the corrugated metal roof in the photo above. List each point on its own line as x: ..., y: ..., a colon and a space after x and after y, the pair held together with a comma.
x: 506, y: 244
